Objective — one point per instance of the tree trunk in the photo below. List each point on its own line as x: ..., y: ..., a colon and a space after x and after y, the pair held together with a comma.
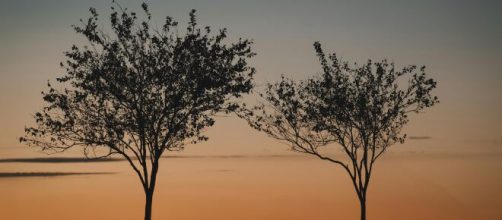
x: 150, y: 189
x: 363, y: 209
x: 148, y: 204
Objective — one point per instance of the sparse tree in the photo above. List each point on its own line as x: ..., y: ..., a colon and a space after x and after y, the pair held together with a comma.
x: 140, y: 91
x: 361, y: 109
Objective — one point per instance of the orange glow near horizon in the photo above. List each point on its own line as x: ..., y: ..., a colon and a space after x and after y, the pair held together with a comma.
x: 449, y: 169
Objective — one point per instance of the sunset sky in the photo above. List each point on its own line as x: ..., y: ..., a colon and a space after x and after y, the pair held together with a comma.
x: 460, y: 42
x: 458, y: 161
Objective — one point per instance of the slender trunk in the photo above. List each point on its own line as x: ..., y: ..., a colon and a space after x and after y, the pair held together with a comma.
x: 149, y: 191
x: 148, y: 204
x: 363, y: 208
x: 362, y: 202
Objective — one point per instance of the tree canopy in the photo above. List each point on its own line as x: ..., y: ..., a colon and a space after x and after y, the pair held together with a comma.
x: 360, y: 108
x: 140, y: 91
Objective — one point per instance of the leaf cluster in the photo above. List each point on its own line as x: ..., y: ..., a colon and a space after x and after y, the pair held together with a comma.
x: 140, y: 89
x: 362, y: 108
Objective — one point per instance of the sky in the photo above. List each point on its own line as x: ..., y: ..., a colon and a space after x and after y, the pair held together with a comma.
x: 460, y: 42
x: 454, y: 175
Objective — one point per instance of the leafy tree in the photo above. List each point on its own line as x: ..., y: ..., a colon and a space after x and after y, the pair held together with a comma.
x: 140, y: 91
x: 360, y: 108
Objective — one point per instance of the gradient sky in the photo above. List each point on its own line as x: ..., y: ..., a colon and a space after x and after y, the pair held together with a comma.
x: 460, y: 42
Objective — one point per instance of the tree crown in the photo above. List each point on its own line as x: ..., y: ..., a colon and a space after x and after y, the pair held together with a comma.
x: 359, y: 107
x: 141, y: 88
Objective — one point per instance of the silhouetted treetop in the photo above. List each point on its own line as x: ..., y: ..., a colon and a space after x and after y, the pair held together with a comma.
x: 374, y: 98
x: 359, y: 108
x: 141, y: 91
x: 141, y: 81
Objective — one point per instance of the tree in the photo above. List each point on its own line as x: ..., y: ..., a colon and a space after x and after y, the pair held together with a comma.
x: 360, y: 108
x: 140, y: 91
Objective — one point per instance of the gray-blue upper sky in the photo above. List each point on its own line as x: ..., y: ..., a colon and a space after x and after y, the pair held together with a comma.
x: 459, y: 41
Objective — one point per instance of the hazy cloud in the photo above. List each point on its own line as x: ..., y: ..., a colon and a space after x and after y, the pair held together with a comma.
x: 484, y: 141
x: 57, y: 160
x: 48, y: 174
x: 87, y: 160
x: 235, y: 156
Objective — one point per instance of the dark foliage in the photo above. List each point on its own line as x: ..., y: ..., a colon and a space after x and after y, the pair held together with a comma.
x: 141, y: 91
x: 360, y: 108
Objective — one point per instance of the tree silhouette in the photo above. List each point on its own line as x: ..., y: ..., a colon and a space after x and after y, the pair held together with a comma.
x: 360, y: 108
x: 141, y: 91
